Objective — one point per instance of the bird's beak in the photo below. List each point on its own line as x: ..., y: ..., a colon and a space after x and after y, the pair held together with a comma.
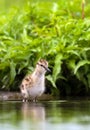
x: 48, y: 69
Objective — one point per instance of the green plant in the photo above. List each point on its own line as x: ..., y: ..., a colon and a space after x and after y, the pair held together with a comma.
x: 57, y: 34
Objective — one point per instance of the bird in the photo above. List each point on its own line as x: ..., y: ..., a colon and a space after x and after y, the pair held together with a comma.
x: 33, y: 85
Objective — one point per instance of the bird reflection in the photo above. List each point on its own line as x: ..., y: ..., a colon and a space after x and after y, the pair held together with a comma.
x: 35, y: 114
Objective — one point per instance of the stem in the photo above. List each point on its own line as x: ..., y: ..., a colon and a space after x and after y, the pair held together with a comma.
x: 83, y: 9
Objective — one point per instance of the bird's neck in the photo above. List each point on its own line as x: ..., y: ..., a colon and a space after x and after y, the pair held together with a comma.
x: 38, y: 74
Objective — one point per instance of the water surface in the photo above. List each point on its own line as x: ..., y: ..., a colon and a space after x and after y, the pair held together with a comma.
x: 51, y: 115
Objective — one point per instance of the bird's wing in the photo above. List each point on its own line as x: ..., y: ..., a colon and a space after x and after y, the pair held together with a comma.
x: 27, y: 82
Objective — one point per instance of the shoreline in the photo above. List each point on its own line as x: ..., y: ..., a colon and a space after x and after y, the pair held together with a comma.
x: 16, y: 96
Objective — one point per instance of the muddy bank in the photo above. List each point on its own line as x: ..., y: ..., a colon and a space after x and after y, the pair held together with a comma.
x: 16, y: 96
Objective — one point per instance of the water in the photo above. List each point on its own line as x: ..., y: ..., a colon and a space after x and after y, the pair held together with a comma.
x: 53, y: 115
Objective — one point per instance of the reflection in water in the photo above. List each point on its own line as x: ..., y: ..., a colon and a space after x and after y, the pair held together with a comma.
x: 35, y: 113
x: 71, y: 115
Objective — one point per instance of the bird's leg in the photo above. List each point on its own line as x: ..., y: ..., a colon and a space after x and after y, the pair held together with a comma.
x: 25, y: 100
x: 35, y: 99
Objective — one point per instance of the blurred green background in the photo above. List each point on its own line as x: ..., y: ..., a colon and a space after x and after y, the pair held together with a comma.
x: 58, y: 31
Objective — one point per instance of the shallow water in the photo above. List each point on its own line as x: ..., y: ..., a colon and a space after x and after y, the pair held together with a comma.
x: 53, y: 115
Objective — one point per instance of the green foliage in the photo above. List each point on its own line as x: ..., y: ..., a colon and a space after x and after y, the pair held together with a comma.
x: 51, y: 30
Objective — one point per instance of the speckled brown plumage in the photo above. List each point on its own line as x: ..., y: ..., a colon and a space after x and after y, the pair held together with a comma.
x: 33, y: 85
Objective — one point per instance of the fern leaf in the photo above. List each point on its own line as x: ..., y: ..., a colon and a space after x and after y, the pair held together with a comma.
x: 57, y: 66
x: 80, y: 64
x: 12, y: 71
x: 49, y: 78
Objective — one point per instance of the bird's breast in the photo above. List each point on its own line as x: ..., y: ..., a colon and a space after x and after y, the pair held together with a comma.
x: 38, y: 88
